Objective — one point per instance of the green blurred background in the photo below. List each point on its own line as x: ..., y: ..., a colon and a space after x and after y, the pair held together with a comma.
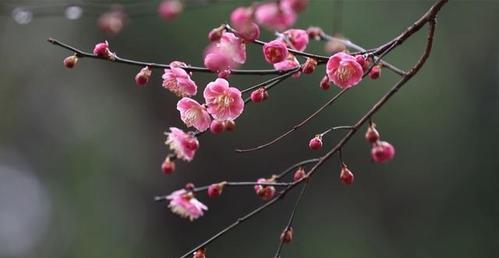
x: 80, y: 150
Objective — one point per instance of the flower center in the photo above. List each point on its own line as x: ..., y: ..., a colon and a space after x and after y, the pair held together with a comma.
x: 224, y: 101
x: 191, y: 116
x: 344, y: 73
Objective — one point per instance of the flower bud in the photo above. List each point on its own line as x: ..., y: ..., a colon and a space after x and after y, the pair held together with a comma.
x: 168, y: 166
x: 299, y: 174
x: 372, y: 134
x: 259, y: 95
x: 265, y: 192
x: 215, y: 190
x: 287, y: 235
x: 201, y: 253
x: 143, y: 76
x: 346, y: 176
x: 102, y: 50
x: 314, y: 33
x: 217, y: 127
x: 189, y: 187
x: 335, y: 46
x: 309, y: 66
x: 229, y: 125
x: 315, y: 143
x: 375, y: 72
x: 382, y: 151
x: 70, y: 61
x: 325, y: 83
x: 362, y: 60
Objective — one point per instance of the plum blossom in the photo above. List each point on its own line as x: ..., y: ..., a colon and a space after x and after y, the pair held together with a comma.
x: 275, y: 51
x: 178, y: 81
x: 297, y: 39
x: 275, y: 17
x: 184, y: 145
x: 186, y: 205
x: 234, y: 46
x: 289, y: 63
x: 241, y: 16
x: 344, y: 70
x: 224, y: 102
x: 226, y: 54
x: 193, y: 114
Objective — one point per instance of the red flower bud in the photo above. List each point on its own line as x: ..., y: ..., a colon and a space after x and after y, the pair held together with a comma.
x: 315, y: 143
x: 309, y: 66
x: 287, y: 235
x: 168, y: 166
x: 229, y: 125
x: 142, y: 77
x: 299, y: 174
x: 325, y: 83
x: 372, y: 134
x: 215, y: 190
x: 346, y: 176
x: 259, y: 95
x: 375, y: 72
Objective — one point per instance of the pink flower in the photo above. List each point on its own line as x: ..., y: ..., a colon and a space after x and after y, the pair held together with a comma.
x: 273, y: 17
x: 241, y: 16
x: 217, y: 60
x: 234, y: 46
x: 178, y: 81
x: 382, y: 151
x: 186, y: 205
x: 193, y: 114
x: 102, y: 49
x: 275, y: 51
x: 226, y: 54
x: 224, y: 102
x: 295, y: 5
x: 169, y: 9
x: 344, y: 70
x: 288, y: 64
x: 183, y: 144
x: 298, y: 39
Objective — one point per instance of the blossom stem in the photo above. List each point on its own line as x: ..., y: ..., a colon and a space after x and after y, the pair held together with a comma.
x: 80, y: 53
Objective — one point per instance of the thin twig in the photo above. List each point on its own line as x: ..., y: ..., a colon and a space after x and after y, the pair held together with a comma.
x: 428, y: 17
x: 80, y: 53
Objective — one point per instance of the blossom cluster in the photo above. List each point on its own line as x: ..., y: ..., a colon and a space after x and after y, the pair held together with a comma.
x: 222, y: 103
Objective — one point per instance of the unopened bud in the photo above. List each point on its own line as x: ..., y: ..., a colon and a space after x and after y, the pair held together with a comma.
x: 315, y: 143
x: 215, y: 190
x: 325, y: 83
x: 70, y: 61
x: 287, y: 235
x: 143, y: 76
x: 229, y: 125
x: 314, y: 33
x: 372, y: 134
x: 299, y: 174
x: 375, y: 72
x: 309, y: 66
x: 259, y: 95
x: 346, y: 176
x: 168, y: 166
